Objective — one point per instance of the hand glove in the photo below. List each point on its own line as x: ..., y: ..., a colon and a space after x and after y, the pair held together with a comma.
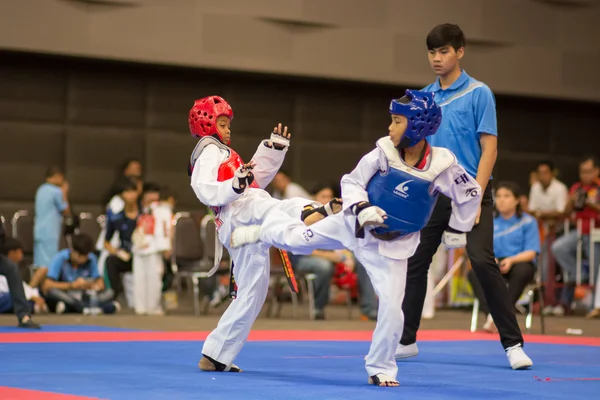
x: 368, y: 215
x: 454, y: 239
x: 279, y: 142
x: 280, y: 138
x: 242, y: 178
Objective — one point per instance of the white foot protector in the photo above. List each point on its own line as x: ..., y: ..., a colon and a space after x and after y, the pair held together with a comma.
x: 382, y: 380
x: 244, y: 235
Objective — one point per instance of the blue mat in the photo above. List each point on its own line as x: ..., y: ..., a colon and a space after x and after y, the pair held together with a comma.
x: 65, y: 328
x: 296, y: 370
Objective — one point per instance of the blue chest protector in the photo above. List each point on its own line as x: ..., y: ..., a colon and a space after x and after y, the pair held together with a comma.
x: 406, y: 200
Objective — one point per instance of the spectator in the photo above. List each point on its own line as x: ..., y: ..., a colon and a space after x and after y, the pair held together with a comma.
x: 324, y: 193
x: 547, y: 201
x: 51, y: 203
x: 10, y: 270
x: 13, y: 249
x: 150, y: 194
x: 151, y: 246
x: 320, y: 262
x: 516, y: 245
x: 114, y: 207
x: 548, y: 196
x: 285, y: 188
x: 131, y: 168
x: 73, y: 280
x: 124, y: 223
x: 584, y: 202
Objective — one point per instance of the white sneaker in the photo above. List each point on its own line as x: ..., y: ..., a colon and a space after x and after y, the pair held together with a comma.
x: 517, y: 358
x: 558, y: 311
x: 61, y: 307
x: 244, y: 235
x: 402, y: 351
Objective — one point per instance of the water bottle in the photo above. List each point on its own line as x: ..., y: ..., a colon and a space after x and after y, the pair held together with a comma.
x: 94, y: 306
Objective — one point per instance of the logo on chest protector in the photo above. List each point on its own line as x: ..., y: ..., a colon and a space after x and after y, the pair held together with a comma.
x: 402, y: 189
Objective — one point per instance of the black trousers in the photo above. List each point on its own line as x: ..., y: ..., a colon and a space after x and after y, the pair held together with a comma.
x: 15, y: 286
x: 480, y: 248
x: 115, y: 267
x: 519, y: 276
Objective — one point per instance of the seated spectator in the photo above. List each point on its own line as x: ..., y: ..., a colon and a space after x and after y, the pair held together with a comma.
x: 584, y: 203
x: 547, y: 201
x: 113, y: 207
x: 9, y: 269
x: 13, y: 249
x: 51, y: 204
x: 123, y: 223
x: 151, y: 246
x: 516, y: 246
x: 73, y: 280
x: 285, y: 188
x: 150, y: 194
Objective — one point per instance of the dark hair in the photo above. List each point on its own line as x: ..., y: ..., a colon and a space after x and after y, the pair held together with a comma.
x: 547, y: 163
x: 54, y: 170
x: 83, y: 244
x: 11, y: 244
x: 125, y: 165
x: 326, y: 185
x: 592, y: 158
x: 515, y: 190
x: 151, y: 187
x: 444, y: 35
x: 125, y: 184
x: 166, y: 192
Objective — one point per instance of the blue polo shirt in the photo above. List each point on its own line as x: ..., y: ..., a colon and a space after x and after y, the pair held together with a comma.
x: 61, y: 269
x: 515, y: 235
x: 468, y: 110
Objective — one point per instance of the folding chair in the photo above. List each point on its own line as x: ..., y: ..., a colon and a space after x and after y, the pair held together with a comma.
x: 22, y: 229
x: 277, y: 275
x: 88, y: 225
x: 188, y: 251
x: 208, y: 234
x: 528, y: 298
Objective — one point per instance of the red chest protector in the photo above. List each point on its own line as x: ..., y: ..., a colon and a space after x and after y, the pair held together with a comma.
x: 226, y: 169
x: 229, y: 166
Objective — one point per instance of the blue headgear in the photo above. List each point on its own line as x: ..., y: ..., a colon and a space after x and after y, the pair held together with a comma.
x: 423, y: 114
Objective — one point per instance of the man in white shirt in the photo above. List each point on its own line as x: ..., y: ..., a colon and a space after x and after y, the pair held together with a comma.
x: 286, y: 189
x: 548, y: 196
x: 547, y: 201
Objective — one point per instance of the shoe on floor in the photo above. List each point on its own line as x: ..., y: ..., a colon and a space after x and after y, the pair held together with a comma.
x: 517, y: 358
x: 27, y: 323
x: 407, y: 351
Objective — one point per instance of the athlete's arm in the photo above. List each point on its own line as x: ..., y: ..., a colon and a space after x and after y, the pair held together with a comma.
x: 204, y: 181
x: 465, y: 193
x: 354, y: 184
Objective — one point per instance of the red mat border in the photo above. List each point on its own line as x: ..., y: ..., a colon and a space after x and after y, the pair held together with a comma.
x: 11, y: 393
x: 258, y: 336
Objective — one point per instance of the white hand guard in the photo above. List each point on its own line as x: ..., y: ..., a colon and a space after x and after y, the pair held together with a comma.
x: 371, y: 217
x: 242, y: 178
x: 454, y: 240
x: 277, y: 141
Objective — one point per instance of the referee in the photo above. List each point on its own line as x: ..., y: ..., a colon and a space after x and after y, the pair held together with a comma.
x: 469, y: 130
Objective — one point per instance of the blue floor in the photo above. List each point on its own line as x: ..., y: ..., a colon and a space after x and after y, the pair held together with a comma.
x: 296, y: 370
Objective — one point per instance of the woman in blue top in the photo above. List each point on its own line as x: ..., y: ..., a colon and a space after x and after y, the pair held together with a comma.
x: 516, y: 245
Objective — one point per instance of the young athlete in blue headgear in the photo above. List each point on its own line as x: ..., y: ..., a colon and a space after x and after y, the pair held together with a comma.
x: 387, y: 200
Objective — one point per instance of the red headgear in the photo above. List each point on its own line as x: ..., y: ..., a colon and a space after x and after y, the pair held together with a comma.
x: 204, y: 114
